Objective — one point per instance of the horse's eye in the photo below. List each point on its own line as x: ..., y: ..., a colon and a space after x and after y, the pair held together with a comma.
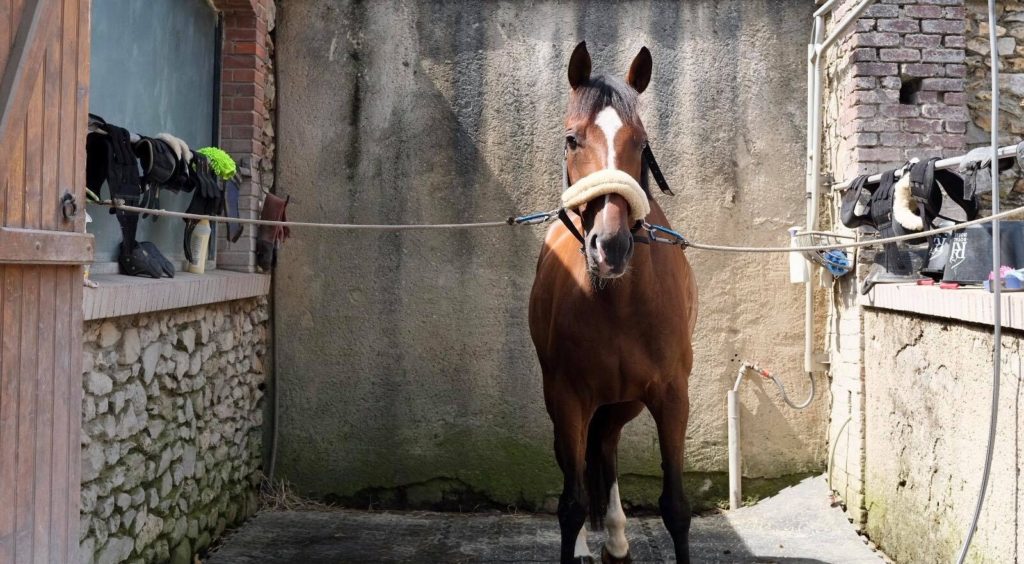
x: 571, y: 141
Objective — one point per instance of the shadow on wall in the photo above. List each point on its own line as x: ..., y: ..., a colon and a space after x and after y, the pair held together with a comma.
x: 405, y: 359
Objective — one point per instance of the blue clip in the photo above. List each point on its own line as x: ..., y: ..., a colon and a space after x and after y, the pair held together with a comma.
x: 676, y: 237
x: 534, y: 218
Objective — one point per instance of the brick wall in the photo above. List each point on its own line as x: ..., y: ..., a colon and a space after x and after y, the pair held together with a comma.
x: 895, y: 90
x: 903, y: 84
x: 247, y: 103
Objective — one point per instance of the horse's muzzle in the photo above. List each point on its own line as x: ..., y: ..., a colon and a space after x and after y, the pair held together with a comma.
x: 609, y: 255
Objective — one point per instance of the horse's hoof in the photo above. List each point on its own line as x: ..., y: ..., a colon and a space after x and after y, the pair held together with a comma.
x: 607, y: 558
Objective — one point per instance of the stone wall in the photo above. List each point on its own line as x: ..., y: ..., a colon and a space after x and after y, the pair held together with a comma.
x: 928, y: 385
x: 171, y: 440
x: 1010, y: 31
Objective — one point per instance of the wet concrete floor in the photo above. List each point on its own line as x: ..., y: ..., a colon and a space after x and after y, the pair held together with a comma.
x: 795, y: 526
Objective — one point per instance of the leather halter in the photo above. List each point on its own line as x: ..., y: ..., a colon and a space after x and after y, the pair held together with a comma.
x: 649, y: 164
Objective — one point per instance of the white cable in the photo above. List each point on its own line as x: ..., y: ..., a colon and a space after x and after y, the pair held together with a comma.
x: 997, y: 328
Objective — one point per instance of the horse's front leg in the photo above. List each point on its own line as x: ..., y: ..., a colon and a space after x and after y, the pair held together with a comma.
x: 570, y: 419
x: 671, y: 409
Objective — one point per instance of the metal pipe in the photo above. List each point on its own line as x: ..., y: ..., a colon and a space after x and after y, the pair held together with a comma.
x: 813, y: 181
x: 735, y: 454
x: 735, y: 461
x: 945, y: 164
x: 824, y: 9
x: 843, y: 24
x: 732, y: 401
x: 814, y: 174
x: 997, y: 283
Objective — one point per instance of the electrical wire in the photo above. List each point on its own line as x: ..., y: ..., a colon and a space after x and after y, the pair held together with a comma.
x: 996, y: 290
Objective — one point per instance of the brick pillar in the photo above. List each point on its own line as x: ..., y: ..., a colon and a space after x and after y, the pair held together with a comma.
x: 246, y: 129
x: 903, y: 85
x: 894, y: 91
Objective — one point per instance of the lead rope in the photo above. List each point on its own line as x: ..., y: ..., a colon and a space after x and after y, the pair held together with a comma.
x: 658, y: 233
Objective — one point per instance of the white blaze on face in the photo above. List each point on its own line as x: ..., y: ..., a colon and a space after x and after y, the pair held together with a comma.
x: 615, y: 524
x: 610, y: 123
x: 582, y: 550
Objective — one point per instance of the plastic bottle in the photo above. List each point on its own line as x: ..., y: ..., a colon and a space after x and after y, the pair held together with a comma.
x: 199, y: 244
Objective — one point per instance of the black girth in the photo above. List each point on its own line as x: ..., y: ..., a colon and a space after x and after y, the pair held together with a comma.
x: 648, y: 164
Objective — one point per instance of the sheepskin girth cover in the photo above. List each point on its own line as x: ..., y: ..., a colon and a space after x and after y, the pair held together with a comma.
x: 608, y: 181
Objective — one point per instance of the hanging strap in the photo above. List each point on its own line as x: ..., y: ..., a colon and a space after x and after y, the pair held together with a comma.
x: 652, y: 164
x: 881, y: 214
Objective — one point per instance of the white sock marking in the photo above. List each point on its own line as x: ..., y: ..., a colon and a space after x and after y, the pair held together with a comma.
x: 615, y: 523
x: 582, y: 550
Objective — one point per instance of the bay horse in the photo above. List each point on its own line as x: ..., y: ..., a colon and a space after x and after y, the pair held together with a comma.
x: 611, y: 321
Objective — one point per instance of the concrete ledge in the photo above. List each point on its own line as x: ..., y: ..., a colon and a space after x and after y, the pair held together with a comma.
x: 971, y: 305
x: 129, y: 295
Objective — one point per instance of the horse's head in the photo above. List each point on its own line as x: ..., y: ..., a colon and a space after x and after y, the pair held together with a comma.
x: 603, y: 134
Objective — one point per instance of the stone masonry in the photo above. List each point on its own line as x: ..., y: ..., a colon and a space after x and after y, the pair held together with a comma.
x: 1010, y: 31
x: 895, y: 90
x: 171, y: 440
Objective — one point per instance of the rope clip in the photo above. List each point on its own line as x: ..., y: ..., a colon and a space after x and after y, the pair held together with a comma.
x: 674, y: 237
x: 533, y: 218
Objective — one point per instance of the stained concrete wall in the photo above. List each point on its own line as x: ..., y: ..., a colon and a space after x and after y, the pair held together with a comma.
x: 406, y: 370
x: 927, y: 397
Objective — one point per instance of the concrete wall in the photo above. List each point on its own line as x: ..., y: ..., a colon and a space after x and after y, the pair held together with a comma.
x: 171, y: 441
x: 927, y: 397
x: 407, y: 375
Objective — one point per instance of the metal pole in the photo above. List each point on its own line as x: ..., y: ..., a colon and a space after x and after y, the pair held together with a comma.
x: 843, y: 24
x: 945, y: 164
x: 825, y: 8
x: 735, y: 461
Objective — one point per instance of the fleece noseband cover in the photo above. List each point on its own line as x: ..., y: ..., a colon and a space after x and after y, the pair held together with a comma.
x: 604, y: 182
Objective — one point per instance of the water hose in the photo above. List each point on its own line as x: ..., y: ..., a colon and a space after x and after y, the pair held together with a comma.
x: 997, y: 321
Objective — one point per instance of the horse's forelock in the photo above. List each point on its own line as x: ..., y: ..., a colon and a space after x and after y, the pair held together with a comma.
x: 598, y: 93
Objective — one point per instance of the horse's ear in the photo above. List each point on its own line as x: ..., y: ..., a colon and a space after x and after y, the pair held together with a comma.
x: 640, y: 71
x: 579, y: 65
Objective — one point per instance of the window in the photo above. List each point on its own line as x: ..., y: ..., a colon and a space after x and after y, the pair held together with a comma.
x: 153, y: 70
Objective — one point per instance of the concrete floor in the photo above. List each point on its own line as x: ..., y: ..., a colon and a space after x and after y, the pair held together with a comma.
x: 795, y: 526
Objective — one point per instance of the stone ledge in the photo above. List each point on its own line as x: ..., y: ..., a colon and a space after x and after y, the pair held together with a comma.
x: 972, y: 305
x: 129, y: 295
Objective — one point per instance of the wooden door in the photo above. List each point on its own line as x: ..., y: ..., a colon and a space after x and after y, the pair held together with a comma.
x: 44, y: 57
